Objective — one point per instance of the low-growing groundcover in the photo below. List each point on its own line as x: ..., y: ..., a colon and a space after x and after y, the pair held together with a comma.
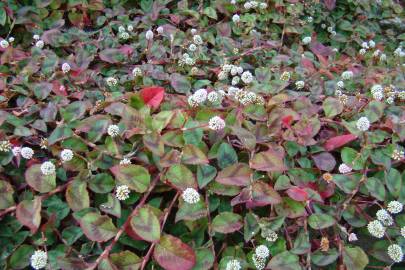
x: 227, y: 134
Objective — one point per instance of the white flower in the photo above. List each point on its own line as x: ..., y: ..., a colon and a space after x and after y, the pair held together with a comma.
x: 235, y: 18
x: 259, y: 263
x: 113, y: 130
x: 254, y: 4
x: 233, y: 265
x: 235, y: 80
x: 397, y: 154
x: 403, y: 231
x: 197, y: 39
x: 344, y: 168
x: 285, y: 76
x: 236, y: 70
x: 232, y: 91
x: 364, y: 45
x: 263, y: 5
x: 330, y: 29
x: 363, y: 124
x: 371, y: 43
x: 136, y: 72
x: 16, y: 151
x: 193, y: 31
x: 160, y: 30
x: 310, y: 19
x: 36, y: 37
x: 4, y: 44
x: 130, y: 28
x: 66, y: 155
x: 222, y: 75
x: 395, y: 207
x: 227, y: 67
x: 214, y: 97
x: 191, y: 196
x: 111, y: 81
x: 262, y: 251
x: 124, y: 35
x: 27, y: 152
x: 362, y: 51
x: 200, y: 96
x: 333, y: 33
x: 11, y: 39
x: 5, y: 146
x: 390, y: 100
x: 216, y: 123
x: 306, y: 40
x: 376, y: 53
x: 189, y: 61
x: 395, y: 252
x: 122, y: 192
x: 383, y: 216
x: 352, y: 237
x: 121, y: 29
x: 125, y: 161
x: 299, y: 84
x: 270, y: 235
x: 376, y: 229
x: 383, y: 57
x: 39, y: 259
x: 192, y: 102
x: 192, y: 47
x: 340, y: 84
x: 39, y: 44
x: 378, y: 95
x: 376, y: 88
x: 65, y: 67
x: 347, y: 75
x: 247, y: 5
x: 247, y: 77
x: 47, y: 168
x: 149, y: 35
x: 398, y: 52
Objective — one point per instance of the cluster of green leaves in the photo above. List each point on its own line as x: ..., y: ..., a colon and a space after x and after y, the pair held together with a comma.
x: 273, y: 167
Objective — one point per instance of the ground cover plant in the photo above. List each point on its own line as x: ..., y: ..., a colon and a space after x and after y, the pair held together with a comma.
x: 178, y: 135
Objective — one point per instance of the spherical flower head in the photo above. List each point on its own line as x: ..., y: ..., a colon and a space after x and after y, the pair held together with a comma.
x: 5, y: 146
x: 235, y: 18
x: 362, y: 51
x: 214, y: 97
x: 394, y: 251
x: 125, y: 161
x: 27, y: 152
x: 233, y: 265
x: 193, y: 31
x: 363, y: 124
x: 4, y: 44
x: 376, y: 229
x: 232, y: 91
x: 262, y: 251
x: 310, y: 19
x: 390, y: 100
x: 111, y: 81
x: 192, y: 47
x: 364, y: 45
x: 160, y: 30
x: 378, y: 95
x: 234, y: 70
x: 262, y: 5
x: 344, y: 168
x: 376, y: 53
x: 191, y: 102
x: 216, y: 123
x: 47, y: 168
x: 376, y: 88
x: 403, y: 231
x: 11, y: 39
x: 122, y: 192
x: 16, y: 151
x: 371, y: 43
x: 395, y: 207
x: 121, y: 29
x: 383, y: 57
x: 189, y: 61
x: 191, y: 196
x: 285, y: 76
x: 149, y: 35
x: 383, y: 216
x: 36, y: 37
x: 340, y: 84
x: 235, y: 80
x: 269, y: 235
x: 39, y: 44
x: 66, y: 155
x: 65, y: 67
x: 254, y: 4
x: 306, y: 40
x: 352, y: 237
x: 39, y: 259
x: 347, y: 75
x: 130, y: 28
x: 247, y: 77
x: 200, y: 96
x: 197, y: 39
x: 300, y: 84
x: 136, y: 72
x: 258, y: 262
x: 124, y: 35
x: 397, y: 154
x: 222, y: 75
x: 247, y: 5
x: 113, y: 130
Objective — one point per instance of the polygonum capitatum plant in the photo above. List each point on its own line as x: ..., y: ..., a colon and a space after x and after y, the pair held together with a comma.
x: 179, y: 135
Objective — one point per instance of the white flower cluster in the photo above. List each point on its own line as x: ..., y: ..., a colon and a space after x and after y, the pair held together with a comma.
x: 216, y: 123
x: 191, y: 196
x: 65, y: 67
x: 186, y: 60
x: 399, y: 52
x: 385, y: 218
x: 376, y: 229
x: 198, y: 98
x: 260, y: 257
x: 27, y: 152
x: 111, y: 81
x: 247, y: 77
x: 233, y: 265
x: 233, y: 70
x: 363, y: 124
x: 403, y: 231
x: 39, y: 259
x: 125, y: 161
x: 352, y: 237
x: 394, y: 251
x: 4, y: 44
x: 16, y: 151
x: 66, y: 155
x: 377, y: 91
x: 5, y: 146
x: 269, y: 235
x: 122, y: 192
x: 395, y: 207
x: 254, y: 4
x: 149, y: 35
x: 136, y: 72
x: 236, y: 18
x: 285, y: 76
x: 215, y: 97
x: 245, y: 97
x: 122, y: 32
x: 47, y: 168
x: 344, y: 168
x: 113, y: 130
x: 367, y: 45
x: 347, y: 75
x: 299, y: 84
x: 306, y: 40
x: 397, y: 154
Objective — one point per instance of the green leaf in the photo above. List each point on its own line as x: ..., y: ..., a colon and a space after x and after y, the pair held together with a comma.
x: 269, y: 161
x: 71, y: 234
x: 6, y: 195
x: 322, y: 258
x: 102, y: 183
x: 28, y: 213
x: 59, y: 133
x: 376, y: 188
x: 210, y: 12
x: 126, y: 260
x: 238, y: 174
x: 354, y: 258
x: 284, y: 261
x: 374, y: 110
x: 320, y: 221
x: 251, y: 226
x: 226, y: 155
x: 227, y: 222
x: 135, y: 177
x: 191, y: 212
x: 353, y: 158
x: 193, y: 155
x: 21, y: 257
x: 332, y: 107
x: 393, y: 181
x: 180, y: 177
x: 154, y: 143
x: 146, y: 225
x: 97, y: 227
x: 180, y: 83
x: 204, y: 259
x: 77, y: 196
x: 3, y: 16
x: 301, y: 243
x: 205, y: 174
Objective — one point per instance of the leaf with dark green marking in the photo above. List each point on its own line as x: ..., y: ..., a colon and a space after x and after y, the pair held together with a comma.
x: 135, y: 177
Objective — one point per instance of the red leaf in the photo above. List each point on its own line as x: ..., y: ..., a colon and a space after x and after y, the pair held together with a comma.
x: 338, y: 141
x: 307, y: 64
x: 330, y: 4
x: 153, y: 95
x: 286, y: 120
x: 297, y: 194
